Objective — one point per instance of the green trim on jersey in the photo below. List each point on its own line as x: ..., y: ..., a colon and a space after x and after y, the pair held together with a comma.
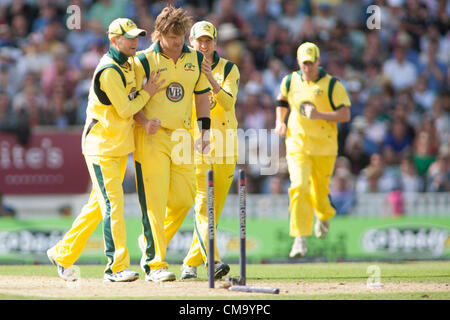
x: 330, y: 91
x: 101, y: 95
x: 145, y: 64
x: 117, y: 56
x: 227, y: 69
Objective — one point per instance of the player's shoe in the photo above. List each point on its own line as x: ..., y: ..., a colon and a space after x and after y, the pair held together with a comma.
x: 321, y: 228
x: 220, y: 269
x: 160, y: 275
x: 126, y: 275
x: 299, y: 248
x: 188, y: 272
x: 67, y: 274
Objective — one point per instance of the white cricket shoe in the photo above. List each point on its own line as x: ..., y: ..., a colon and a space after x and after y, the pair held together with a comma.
x: 160, y: 275
x: 299, y: 248
x: 67, y: 274
x: 126, y: 275
x: 321, y: 228
x: 188, y: 272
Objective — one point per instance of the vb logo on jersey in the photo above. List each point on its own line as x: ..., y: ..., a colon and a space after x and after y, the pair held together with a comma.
x: 175, y: 92
x: 303, y: 105
x: 212, y: 100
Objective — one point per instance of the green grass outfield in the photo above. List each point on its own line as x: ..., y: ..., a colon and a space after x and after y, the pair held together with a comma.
x: 346, y: 272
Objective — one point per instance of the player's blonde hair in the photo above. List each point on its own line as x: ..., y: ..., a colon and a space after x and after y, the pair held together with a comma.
x: 172, y: 20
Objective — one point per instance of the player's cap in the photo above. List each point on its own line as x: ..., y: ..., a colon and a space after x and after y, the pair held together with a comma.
x: 203, y: 28
x: 308, y: 51
x: 124, y: 27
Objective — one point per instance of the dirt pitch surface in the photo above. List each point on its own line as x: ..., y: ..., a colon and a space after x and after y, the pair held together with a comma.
x: 53, y: 287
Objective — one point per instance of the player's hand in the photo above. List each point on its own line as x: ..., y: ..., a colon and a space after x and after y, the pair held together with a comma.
x: 311, y: 112
x: 152, y: 86
x: 152, y: 125
x: 206, y: 68
x: 202, y: 144
x: 280, y: 128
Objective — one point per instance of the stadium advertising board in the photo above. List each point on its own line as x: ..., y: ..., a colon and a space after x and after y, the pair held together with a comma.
x: 349, y: 239
x: 51, y: 163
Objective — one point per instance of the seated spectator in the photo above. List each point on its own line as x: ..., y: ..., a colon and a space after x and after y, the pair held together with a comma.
x: 342, y: 193
x: 423, y: 95
x: 431, y: 69
x: 106, y: 11
x: 377, y: 177
x: 272, y: 76
x: 30, y: 102
x: 441, y: 116
x: 410, y: 181
x: 374, y: 130
x: 57, y: 71
x: 292, y: 18
x: 423, y: 155
x: 401, y: 72
x: 438, y: 175
x: 397, y: 143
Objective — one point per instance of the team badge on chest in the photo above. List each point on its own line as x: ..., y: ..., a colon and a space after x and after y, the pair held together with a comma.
x: 175, y: 92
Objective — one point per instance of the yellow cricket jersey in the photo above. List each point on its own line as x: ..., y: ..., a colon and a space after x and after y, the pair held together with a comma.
x: 314, y: 137
x: 222, y: 109
x: 173, y: 106
x: 113, y: 100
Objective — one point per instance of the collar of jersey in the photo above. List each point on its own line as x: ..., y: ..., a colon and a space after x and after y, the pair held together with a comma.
x: 158, y: 48
x: 216, y: 59
x: 117, y: 56
x: 322, y: 74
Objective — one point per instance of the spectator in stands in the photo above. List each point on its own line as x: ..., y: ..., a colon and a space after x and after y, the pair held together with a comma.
x: 401, y: 72
x: 292, y: 19
x: 410, y: 181
x: 441, y: 114
x: 438, y: 175
x: 423, y: 155
x: 342, y: 193
x: 423, y: 95
x: 397, y: 142
x: 432, y: 69
x: 272, y: 76
x: 106, y: 11
x: 377, y: 177
x: 59, y: 71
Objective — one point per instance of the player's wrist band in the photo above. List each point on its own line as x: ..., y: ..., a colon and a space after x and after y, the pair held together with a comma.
x: 282, y: 103
x: 204, y: 123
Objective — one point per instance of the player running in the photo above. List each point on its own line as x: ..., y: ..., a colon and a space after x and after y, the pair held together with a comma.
x: 317, y: 102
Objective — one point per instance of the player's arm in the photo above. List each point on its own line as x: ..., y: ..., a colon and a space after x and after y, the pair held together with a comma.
x: 226, y: 96
x: 111, y: 83
x: 282, y: 108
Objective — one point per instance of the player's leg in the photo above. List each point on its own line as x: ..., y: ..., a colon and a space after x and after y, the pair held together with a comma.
x: 300, y: 205
x: 152, y: 165
x: 322, y: 171
x: 301, y: 210
x: 109, y: 174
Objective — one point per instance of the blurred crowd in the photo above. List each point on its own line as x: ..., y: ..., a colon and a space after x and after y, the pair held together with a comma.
x: 397, y: 76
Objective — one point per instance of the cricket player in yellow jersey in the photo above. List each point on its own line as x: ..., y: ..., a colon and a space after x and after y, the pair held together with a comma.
x: 165, y: 179
x: 223, y: 76
x: 107, y: 140
x: 317, y: 102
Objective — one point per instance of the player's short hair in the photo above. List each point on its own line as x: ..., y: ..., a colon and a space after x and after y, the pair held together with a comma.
x: 172, y: 20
